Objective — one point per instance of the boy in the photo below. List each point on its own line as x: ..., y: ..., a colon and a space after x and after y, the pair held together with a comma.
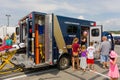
x: 90, y: 56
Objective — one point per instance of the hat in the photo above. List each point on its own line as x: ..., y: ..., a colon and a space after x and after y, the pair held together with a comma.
x: 113, y: 54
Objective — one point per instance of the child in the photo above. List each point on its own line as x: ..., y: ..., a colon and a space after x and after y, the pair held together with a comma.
x: 96, y: 46
x: 75, y: 53
x: 113, y: 69
x: 83, y: 63
x: 90, y: 56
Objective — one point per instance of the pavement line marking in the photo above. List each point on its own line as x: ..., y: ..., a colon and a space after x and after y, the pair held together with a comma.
x: 30, y: 74
x: 118, y: 56
x: 16, y: 77
x: 100, y: 74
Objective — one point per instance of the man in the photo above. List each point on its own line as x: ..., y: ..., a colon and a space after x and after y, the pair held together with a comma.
x: 105, y: 48
x: 84, y: 38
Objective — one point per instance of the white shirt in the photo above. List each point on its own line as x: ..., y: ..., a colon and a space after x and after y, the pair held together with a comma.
x: 90, y: 50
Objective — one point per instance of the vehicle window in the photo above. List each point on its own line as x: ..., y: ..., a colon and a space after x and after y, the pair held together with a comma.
x: 0, y: 41
x: 72, y: 29
x: 95, y: 32
x: 17, y: 30
x: 24, y: 29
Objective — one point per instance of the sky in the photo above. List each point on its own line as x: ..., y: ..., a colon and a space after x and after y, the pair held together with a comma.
x: 104, y: 12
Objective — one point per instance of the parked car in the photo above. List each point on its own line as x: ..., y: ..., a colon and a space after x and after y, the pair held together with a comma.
x: 117, y: 40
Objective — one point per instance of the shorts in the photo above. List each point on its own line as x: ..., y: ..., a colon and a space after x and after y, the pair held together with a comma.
x: 104, y: 58
x: 75, y: 56
x: 90, y: 61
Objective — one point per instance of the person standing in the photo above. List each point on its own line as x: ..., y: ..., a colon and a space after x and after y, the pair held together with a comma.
x: 75, y: 53
x: 90, y: 56
x: 105, y: 48
x: 4, y: 41
x: 96, y: 46
x: 113, y: 69
x: 84, y: 38
x: 9, y: 42
x: 83, y: 61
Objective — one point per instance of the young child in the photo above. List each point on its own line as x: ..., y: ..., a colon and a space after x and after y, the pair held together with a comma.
x: 90, y: 56
x: 113, y: 69
x: 96, y: 46
x: 75, y: 53
x: 83, y: 63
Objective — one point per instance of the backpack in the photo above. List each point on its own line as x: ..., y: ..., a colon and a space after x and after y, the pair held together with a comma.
x: 9, y: 42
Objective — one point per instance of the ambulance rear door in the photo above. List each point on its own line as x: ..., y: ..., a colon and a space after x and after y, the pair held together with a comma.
x: 48, y: 38
x: 95, y: 33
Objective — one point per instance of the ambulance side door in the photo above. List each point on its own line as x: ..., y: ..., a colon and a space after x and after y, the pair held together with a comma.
x: 48, y: 38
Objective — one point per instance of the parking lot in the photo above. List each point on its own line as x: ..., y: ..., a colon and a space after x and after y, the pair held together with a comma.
x: 69, y: 74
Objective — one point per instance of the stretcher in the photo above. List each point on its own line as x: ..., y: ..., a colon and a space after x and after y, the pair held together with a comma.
x: 6, y: 64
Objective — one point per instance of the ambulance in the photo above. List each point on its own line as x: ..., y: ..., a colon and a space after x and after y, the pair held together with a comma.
x: 48, y: 38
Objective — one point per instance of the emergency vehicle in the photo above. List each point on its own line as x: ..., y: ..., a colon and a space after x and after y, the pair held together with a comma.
x: 48, y: 38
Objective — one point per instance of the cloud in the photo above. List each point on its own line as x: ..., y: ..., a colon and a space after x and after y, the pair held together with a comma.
x: 28, y: 5
x: 110, y: 24
x: 93, y: 10
x: 79, y: 7
x: 113, y: 22
x: 81, y: 17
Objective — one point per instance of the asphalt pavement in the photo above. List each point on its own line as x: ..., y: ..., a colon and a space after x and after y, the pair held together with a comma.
x: 69, y: 74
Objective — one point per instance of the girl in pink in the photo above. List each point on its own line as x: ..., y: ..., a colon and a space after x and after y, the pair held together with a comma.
x: 113, y: 69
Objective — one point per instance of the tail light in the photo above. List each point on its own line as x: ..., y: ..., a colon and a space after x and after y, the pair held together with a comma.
x: 93, y: 24
x: 30, y: 16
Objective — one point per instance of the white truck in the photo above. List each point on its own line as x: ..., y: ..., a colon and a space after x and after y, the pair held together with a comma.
x: 6, y: 30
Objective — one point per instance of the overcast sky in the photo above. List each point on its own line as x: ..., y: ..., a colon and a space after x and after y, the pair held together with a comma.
x: 104, y: 12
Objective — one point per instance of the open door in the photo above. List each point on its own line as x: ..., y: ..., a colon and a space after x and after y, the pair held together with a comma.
x: 95, y: 34
x: 48, y: 38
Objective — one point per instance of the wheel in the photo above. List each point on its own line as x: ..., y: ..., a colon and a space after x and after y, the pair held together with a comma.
x: 63, y: 63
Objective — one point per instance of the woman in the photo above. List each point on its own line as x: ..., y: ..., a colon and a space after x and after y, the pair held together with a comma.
x: 75, y: 53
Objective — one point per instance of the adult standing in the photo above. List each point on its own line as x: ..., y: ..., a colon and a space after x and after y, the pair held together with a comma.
x: 5, y: 38
x: 75, y: 53
x: 84, y: 38
x: 105, y: 48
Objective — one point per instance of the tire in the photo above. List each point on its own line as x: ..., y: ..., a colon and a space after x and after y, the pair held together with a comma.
x: 63, y: 63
